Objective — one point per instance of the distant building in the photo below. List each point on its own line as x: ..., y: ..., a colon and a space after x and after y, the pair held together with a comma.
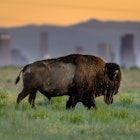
x: 17, y: 58
x: 104, y: 51
x: 44, y: 45
x: 5, y: 49
x: 128, y: 57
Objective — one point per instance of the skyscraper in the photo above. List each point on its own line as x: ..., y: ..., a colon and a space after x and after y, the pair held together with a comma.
x: 17, y: 58
x: 44, y: 45
x: 5, y: 57
x: 128, y: 57
x: 104, y: 51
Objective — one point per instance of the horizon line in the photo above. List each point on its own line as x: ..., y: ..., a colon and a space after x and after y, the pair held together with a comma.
x: 71, y: 24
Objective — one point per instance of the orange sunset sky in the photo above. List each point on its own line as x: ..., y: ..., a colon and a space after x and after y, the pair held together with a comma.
x: 66, y: 12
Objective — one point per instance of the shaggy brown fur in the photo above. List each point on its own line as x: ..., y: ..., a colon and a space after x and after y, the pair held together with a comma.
x: 82, y: 77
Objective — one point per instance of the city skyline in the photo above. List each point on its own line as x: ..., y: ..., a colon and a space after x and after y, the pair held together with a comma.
x: 45, y: 41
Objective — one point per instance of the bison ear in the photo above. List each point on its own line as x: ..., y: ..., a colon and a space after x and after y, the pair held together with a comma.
x: 112, y: 70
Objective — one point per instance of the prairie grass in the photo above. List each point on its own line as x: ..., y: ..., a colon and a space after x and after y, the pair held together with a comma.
x: 51, y: 121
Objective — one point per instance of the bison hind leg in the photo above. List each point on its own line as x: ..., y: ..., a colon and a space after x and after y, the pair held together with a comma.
x: 22, y: 95
x: 31, y: 99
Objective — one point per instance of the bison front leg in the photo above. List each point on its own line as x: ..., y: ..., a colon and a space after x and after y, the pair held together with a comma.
x: 93, y: 103
x: 71, y: 103
x: 89, y: 103
x: 31, y: 99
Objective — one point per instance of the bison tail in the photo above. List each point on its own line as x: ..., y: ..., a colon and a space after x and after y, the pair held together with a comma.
x: 17, y: 79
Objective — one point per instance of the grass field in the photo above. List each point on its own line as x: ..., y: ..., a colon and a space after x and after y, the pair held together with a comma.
x: 50, y: 120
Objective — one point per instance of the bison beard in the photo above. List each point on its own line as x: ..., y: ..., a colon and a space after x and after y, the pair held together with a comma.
x: 82, y: 77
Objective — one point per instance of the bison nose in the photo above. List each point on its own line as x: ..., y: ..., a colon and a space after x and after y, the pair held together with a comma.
x: 111, y: 101
x: 108, y: 100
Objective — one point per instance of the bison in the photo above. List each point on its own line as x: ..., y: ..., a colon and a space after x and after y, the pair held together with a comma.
x: 81, y: 77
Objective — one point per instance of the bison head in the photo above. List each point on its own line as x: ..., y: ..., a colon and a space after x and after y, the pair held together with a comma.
x: 112, y: 81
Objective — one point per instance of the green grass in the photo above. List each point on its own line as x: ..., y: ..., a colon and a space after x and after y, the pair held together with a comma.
x: 50, y: 121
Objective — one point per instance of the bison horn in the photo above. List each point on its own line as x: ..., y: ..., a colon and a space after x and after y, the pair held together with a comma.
x: 115, y: 74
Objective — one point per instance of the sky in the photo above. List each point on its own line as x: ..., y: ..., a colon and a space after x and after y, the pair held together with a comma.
x: 66, y: 12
